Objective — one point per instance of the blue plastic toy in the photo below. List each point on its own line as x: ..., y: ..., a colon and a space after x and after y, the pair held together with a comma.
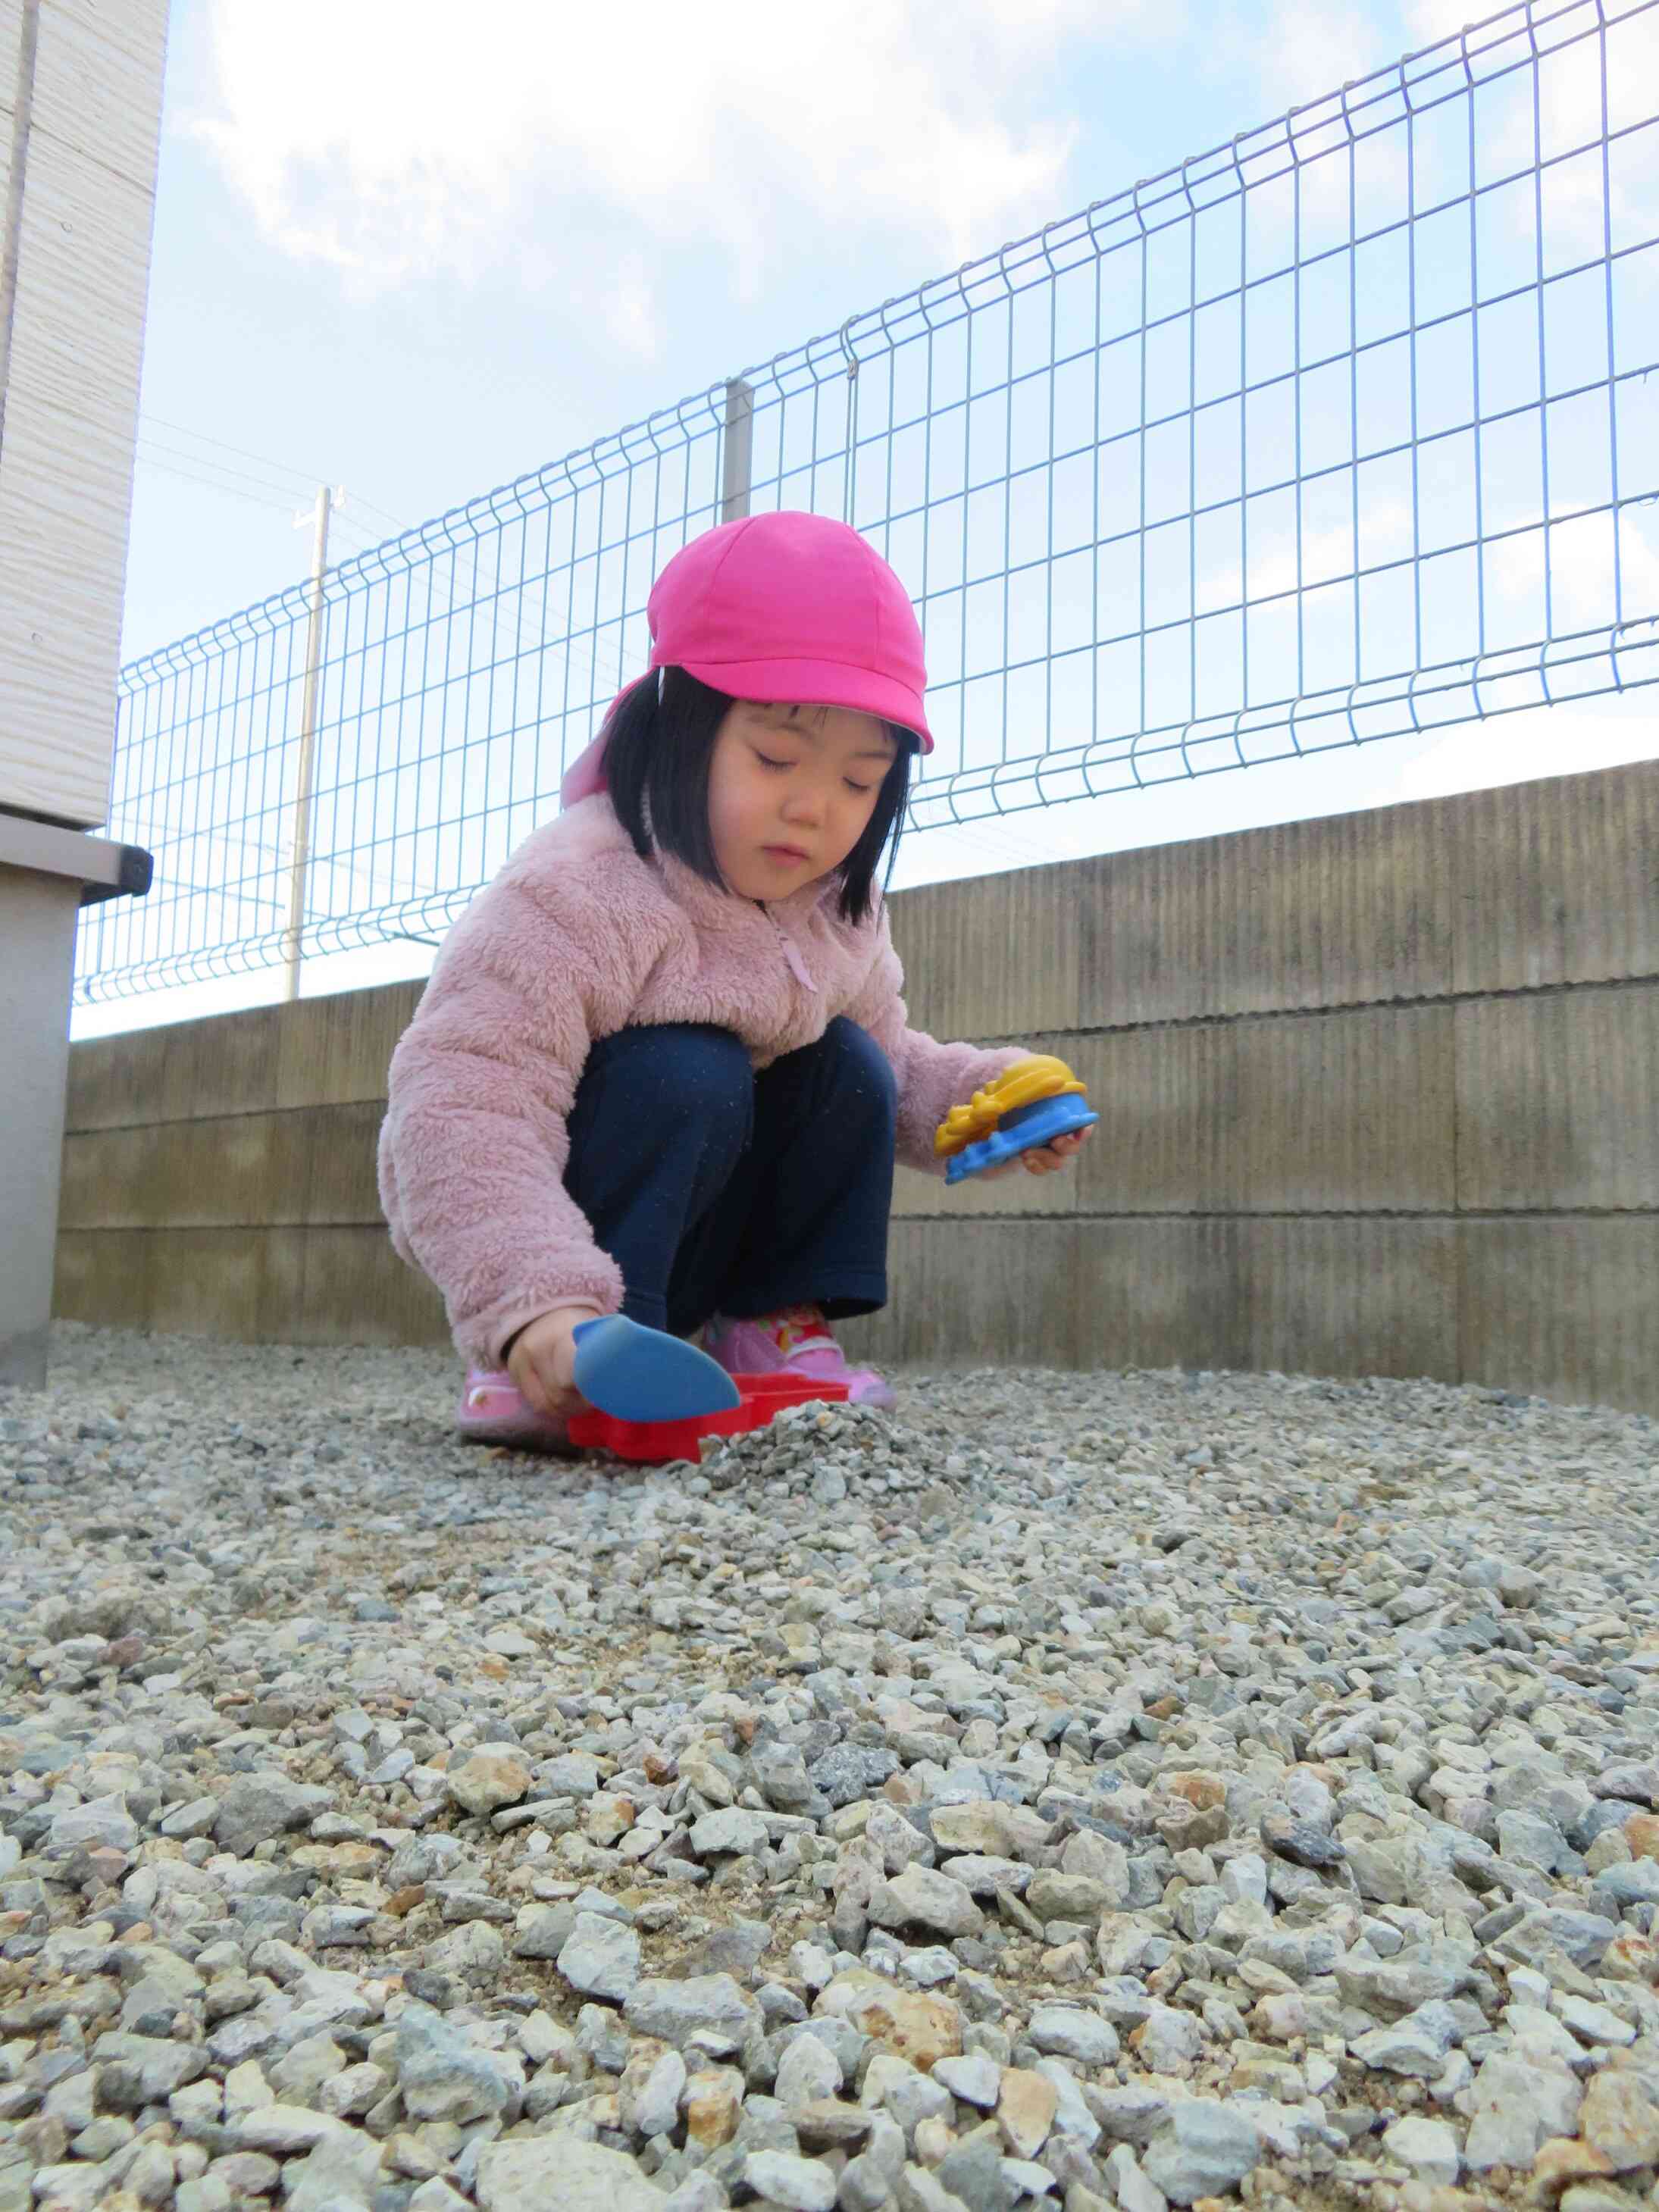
x: 638, y: 1374
x: 1030, y: 1103
x: 1026, y: 1126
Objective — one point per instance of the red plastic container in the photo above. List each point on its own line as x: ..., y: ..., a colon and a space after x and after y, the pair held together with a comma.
x: 762, y: 1397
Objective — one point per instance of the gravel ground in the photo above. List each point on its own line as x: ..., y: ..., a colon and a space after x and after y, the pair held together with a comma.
x: 1113, y: 1789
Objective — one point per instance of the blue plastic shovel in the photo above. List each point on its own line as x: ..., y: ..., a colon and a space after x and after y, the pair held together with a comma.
x: 636, y: 1374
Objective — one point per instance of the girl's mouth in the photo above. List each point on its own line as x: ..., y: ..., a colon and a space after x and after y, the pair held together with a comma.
x: 784, y: 852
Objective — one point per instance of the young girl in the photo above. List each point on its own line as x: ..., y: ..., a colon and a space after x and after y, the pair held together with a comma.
x: 662, y: 1066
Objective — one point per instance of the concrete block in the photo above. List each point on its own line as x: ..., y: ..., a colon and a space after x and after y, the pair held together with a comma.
x: 1334, y: 1113
x: 979, y: 1294
x: 341, y: 1187
x: 243, y: 1284
x: 99, y: 1279
x: 1343, y: 911
x: 224, y: 1064
x: 1555, y: 880
x: 357, y: 1290
x: 1556, y: 1101
x: 336, y: 1050
x: 1012, y: 1197
x: 1562, y: 1307
x: 241, y: 1169
x: 1312, y: 1297
x: 1309, y: 1296
x: 996, y: 957
x: 286, y: 1284
x: 329, y: 1051
x: 1338, y: 911
x: 1318, y: 1113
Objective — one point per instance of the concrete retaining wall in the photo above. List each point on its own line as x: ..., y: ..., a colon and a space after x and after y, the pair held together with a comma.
x: 1379, y: 1096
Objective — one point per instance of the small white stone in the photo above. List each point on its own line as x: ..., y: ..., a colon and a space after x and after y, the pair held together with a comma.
x: 808, y: 2070
x: 1592, y: 2023
x: 799, y: 2184
x: 1428, y: 2147
x: 1245, y: 1878
x: 976, y: 2079
x: 600, y: 1957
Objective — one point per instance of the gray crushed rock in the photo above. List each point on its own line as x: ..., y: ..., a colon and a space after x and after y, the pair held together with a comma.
x: 1109, y: 1791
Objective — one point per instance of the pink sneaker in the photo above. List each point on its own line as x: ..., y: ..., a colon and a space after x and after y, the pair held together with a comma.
x: 799, y: 1341
x: 492, y: 1412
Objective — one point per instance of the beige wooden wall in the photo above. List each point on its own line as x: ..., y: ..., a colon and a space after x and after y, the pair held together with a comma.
x: 1378, y: 1095
x: 79, y: 126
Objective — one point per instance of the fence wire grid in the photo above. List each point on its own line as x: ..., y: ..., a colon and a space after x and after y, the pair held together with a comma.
x: 1347, y: 430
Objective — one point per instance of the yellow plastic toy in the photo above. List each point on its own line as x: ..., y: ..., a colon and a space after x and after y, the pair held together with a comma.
x: 1035, y: 1100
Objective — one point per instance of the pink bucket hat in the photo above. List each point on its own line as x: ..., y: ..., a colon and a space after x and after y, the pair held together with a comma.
x: 790, y: 607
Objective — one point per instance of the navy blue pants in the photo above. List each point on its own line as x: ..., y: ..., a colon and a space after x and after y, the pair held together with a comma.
x: 718, y: 1190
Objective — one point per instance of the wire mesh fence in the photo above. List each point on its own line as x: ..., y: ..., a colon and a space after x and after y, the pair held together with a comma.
x: 1347, y: 430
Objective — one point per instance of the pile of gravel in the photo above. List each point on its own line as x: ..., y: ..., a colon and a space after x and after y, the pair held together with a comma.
x: 1084, y: 1790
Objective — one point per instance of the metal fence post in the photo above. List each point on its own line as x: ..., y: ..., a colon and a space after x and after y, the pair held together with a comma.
x: 737, y: 450
x: 296, y: 890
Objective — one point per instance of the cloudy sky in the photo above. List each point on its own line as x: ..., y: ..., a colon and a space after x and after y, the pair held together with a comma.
x: 416, y: 253
x: 419, y: 263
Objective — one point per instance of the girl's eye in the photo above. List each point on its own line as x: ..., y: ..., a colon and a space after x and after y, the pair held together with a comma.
x: 766, y: 760
x: 862, y: 789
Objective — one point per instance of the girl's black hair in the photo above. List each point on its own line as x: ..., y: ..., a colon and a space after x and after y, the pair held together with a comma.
x: 656, y: 767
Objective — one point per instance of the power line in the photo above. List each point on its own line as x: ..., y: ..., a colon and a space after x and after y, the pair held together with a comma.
x: 220, y: 472
x: 180, y: 430
x: 570, y: 650
x: 369, y: 507
x: 309, y: 479
x: 209, y: 483
x: 201, y: 469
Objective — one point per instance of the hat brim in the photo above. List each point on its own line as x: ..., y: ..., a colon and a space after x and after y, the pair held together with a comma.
x: 816, y: 683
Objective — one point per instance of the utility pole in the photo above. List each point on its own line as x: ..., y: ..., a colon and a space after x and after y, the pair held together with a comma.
x: 737, y: 449
x: 327, y: 501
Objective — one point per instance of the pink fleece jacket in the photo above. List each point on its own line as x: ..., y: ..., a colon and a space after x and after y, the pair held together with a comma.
x: 577, y: 938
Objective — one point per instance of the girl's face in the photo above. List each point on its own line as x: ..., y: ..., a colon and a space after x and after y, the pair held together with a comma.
x: 790, y: 791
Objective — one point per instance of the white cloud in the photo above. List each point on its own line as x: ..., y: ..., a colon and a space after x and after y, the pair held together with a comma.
x: 1569, y: 110
x: 1539, y: 741
x: 1429, y: 20
x: 1310, y: 50
x: 1582, y: 594
x: 396, y: 138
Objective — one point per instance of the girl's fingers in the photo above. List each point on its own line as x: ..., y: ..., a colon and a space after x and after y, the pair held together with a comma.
x: 540, y: 1385
x: 1042, y: 1158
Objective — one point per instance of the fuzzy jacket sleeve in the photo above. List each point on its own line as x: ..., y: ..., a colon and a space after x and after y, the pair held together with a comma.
x: 933, y: 1078
x: 473, y: 1148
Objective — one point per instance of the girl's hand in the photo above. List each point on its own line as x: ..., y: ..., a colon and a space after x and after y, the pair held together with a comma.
x: 1042, y: 1159
x: 543, y: 1360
